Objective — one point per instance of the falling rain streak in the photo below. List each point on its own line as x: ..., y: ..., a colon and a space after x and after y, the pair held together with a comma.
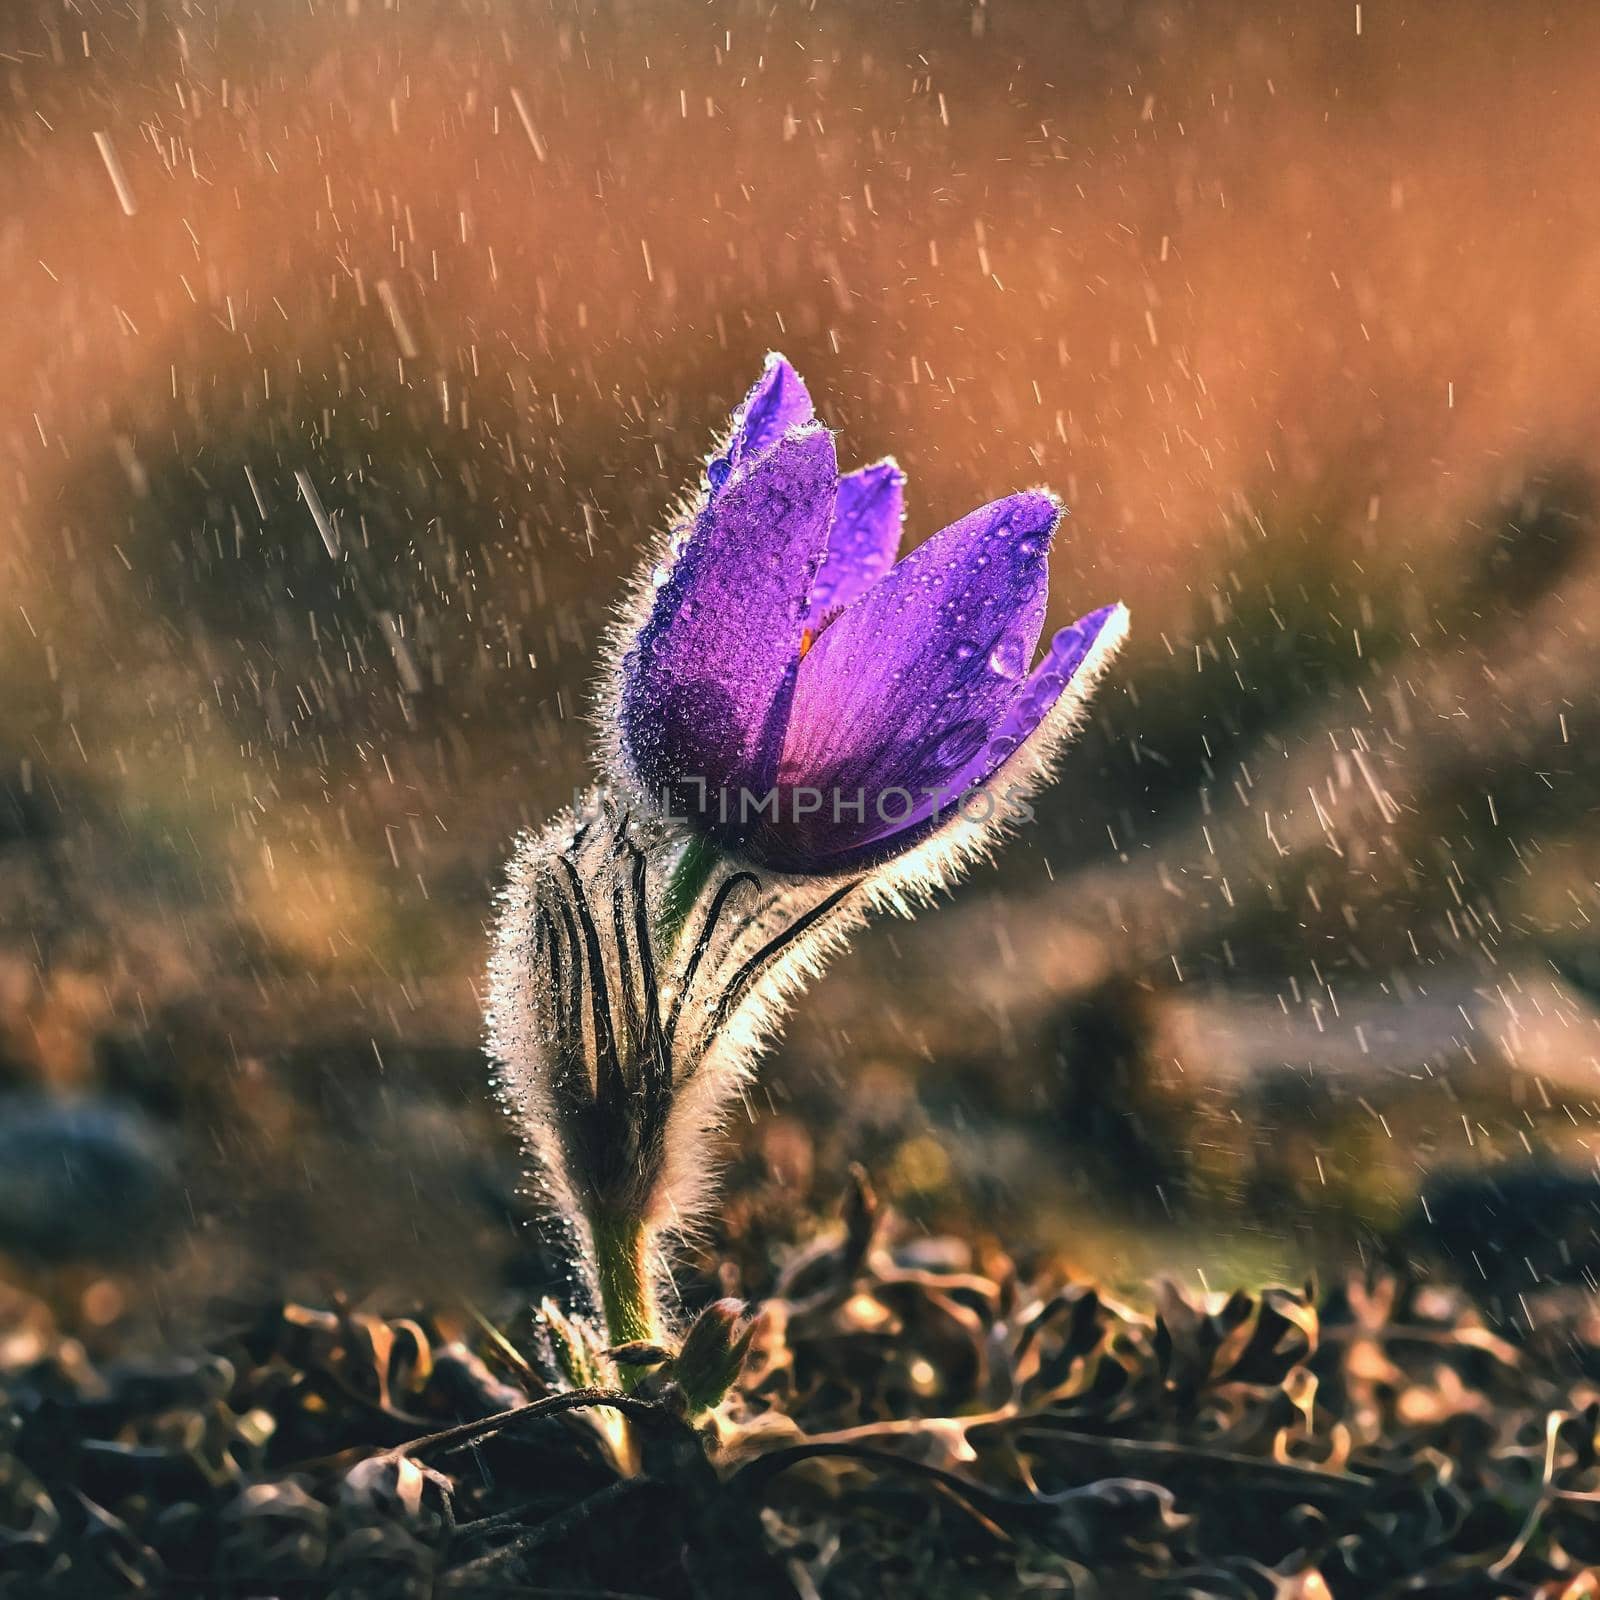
x: 356, y: 354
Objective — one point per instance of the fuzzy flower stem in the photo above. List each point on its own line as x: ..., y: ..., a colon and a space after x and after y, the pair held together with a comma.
x: 647, y: 942
x: 627, y: 1290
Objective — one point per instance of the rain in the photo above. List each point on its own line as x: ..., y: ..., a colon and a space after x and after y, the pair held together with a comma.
x: 366, y: 362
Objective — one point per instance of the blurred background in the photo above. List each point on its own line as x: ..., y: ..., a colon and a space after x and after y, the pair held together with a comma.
x: 1299, y: 308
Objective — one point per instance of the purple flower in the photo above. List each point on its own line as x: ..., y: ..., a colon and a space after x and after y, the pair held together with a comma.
x: 811, y: 704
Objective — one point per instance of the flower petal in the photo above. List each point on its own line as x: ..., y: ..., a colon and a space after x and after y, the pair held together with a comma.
x: 906, y: 688
x: 864, y: 537
x: 1069, y: 648
x: 778, y: 402
x: 1035, y: 700
x: 706, y: 688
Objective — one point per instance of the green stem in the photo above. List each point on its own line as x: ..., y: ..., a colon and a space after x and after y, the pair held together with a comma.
x: 621, y: 1243
x: 693, y: 871
x: 627, y: 1288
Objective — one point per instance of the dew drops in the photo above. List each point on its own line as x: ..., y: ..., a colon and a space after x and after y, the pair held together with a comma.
x: 1001, y: 746
x: 964, y: 650
x: 1040, y: 694
x: 1007, y: 658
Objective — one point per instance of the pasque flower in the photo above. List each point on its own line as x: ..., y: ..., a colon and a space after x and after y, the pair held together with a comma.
x: 795, y: 729
x: 815, y: 707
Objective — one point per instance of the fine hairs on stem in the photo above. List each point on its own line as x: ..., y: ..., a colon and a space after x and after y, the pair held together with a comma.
x: 619, y: 1049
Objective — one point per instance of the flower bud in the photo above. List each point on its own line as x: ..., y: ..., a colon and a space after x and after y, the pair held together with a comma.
x: 713, y: 1353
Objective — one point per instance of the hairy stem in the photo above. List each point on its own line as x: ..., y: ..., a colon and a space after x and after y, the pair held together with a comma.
x: 627, y: 1288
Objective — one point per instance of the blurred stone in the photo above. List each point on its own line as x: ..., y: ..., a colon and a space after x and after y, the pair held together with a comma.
x: 83, y: 1180
x: 1511, y: 1227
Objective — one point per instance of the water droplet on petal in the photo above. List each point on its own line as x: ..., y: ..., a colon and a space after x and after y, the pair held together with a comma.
x: 718, y: 472
x: 964, y: 650
x: 1001, y: 747
x: 1006, y: 658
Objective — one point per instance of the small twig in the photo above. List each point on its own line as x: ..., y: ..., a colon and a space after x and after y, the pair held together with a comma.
x: 509, y: 1520
x: 1286, y: 1475
x: 961, y: 1499
x: 754, y: 1475
x: 503, y: 1563
x: 571, y: 1400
